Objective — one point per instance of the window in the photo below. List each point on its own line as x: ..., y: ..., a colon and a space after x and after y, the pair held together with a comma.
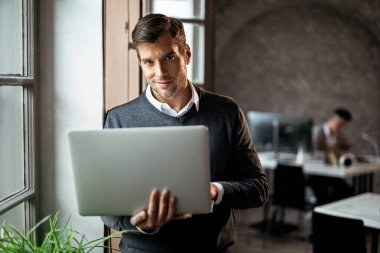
x: 193, y: 14
x: 17, y: 188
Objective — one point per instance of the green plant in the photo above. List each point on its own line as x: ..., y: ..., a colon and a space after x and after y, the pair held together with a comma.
x: 55, y: 240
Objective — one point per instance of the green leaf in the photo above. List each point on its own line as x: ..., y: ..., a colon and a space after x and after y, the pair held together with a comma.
x: 56, y: 240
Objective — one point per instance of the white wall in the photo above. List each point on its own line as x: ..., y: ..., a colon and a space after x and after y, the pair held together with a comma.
x: 71, y: 97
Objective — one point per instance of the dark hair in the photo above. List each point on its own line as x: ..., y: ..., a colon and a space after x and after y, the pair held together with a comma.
x: 152, y: 26
x: 343, y: 113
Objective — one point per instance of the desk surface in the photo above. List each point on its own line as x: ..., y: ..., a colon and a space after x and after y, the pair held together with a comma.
x: 365, y: 206
x: 318, y: 167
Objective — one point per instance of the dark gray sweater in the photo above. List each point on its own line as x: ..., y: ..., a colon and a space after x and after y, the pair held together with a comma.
x: 234, y: 164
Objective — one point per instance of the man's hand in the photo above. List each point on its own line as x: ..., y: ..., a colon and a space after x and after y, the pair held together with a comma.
x: 213, y: 191
x: 161, y: 210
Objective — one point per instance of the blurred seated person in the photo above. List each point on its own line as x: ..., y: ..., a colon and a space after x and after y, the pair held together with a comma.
x: 329, y: 140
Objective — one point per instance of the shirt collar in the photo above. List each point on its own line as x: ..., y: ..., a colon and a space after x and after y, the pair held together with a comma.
x: 326, y: 129
x: 163, y: 107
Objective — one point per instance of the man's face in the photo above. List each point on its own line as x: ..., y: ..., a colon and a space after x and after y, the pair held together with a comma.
x: 164, y: 67
x: 337, y: 123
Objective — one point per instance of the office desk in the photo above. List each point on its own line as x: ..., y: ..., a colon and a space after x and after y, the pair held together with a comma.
x: 362, y: 173
x: 365, y: 207
x: 318, y: 167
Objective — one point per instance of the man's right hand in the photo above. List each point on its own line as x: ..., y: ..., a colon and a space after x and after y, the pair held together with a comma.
x: 161, y: 210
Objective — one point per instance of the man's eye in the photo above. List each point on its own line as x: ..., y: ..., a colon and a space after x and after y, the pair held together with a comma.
x: 148, y: 63
x: 169, y: 57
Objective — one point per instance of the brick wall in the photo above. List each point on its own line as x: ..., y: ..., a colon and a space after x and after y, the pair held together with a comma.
x: 302, y: 57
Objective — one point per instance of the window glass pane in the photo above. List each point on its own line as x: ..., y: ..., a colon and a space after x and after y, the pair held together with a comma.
x: 11, y: 34
x: 15, y: 216
x: 195, y: 31
x: 179, y: 8
x: 11, y: 140
x: 195, y: 37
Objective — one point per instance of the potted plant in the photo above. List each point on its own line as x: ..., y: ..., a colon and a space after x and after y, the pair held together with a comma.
x: 56, y: 239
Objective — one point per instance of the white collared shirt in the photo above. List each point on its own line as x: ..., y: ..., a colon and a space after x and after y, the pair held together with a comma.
x: 330, y: 137
x: 165, y: 108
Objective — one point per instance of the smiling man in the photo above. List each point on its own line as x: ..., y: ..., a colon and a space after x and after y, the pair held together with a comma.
x: 170, y: 99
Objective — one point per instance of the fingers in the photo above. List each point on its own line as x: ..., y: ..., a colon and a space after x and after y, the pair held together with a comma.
x: 138, y: 218
x: 161, y: 209
x: 183, y: 216
x: 172, y: 208
x: 147, y: 218
x: 153, y: 207
x: 164, y: 207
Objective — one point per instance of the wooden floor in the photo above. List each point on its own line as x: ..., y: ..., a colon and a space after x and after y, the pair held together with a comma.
x: 253, y: 240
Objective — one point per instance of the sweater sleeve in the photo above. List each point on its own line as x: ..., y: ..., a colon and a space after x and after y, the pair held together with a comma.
x: 248, y: 186
x: 118, y: 222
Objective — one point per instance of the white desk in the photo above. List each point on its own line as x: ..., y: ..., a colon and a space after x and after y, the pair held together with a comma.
x: 361, y: 173
x: 365, y: 207
x: 319, y: 168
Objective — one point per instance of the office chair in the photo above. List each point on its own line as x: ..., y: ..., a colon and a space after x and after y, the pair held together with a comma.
x: 336, y: 234
x: 289, y: 187
x: 288, y: 192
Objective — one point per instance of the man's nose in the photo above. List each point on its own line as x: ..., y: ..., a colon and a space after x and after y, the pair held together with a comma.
x: 161, y: 70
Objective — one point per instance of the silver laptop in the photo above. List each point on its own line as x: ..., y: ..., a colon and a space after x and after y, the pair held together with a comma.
x: 115, y: 170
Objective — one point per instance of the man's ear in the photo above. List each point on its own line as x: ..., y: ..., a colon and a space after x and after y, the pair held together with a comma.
x: 187, y: 54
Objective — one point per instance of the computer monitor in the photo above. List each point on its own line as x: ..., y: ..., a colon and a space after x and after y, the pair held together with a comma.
x: 280, y: 132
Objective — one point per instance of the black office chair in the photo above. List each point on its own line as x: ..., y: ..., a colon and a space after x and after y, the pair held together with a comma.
x: 288, y: 192
x: 289, y: 187
x: 333, y: 234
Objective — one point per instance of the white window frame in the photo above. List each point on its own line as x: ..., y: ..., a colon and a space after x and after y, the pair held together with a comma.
x: 26, y: 80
